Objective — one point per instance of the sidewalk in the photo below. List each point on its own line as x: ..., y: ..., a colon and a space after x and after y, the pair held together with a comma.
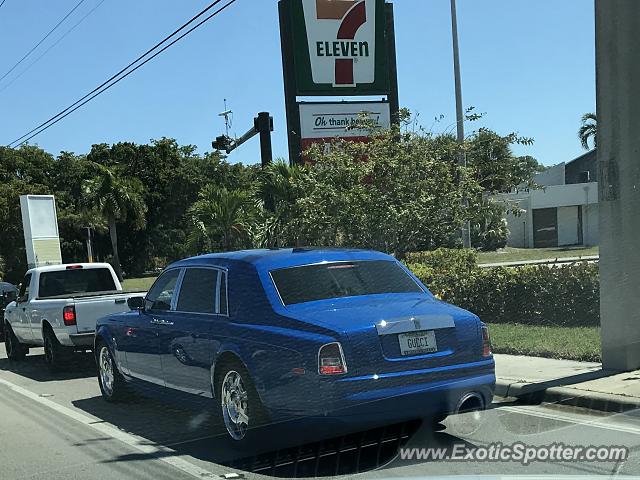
x: 582, y: 384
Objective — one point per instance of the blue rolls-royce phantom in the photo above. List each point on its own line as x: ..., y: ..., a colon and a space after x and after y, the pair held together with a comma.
x: 335, y: 335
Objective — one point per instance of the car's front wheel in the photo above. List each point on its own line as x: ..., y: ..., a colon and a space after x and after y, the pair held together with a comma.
x: 15, y: 350
x: 112, y: 384
x: 239, y: 402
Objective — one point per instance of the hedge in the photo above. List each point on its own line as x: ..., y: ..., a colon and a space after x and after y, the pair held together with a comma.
x: 564, y: 295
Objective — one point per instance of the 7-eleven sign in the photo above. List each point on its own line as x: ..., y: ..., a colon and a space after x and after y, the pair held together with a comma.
x: 339, y: 47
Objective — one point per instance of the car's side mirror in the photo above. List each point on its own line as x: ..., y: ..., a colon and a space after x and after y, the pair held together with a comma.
x: 135, y: 303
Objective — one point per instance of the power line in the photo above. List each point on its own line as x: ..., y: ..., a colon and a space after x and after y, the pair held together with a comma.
x: 52, y: 45
x: 118, y: 76
x: 2, y: 3
x: 42, y: 39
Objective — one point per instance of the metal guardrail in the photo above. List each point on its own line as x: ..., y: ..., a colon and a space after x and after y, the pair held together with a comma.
x: 546, y: 261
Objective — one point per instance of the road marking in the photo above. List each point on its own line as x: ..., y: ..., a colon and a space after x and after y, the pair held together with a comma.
x: 532, y: 411
x: 164, y: 454
x: 191, y: 440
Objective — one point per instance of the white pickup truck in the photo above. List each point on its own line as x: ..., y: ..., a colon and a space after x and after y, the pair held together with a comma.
x: 57, y: 307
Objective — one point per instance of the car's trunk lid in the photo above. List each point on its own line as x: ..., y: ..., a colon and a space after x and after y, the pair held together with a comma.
x: 439, y: 333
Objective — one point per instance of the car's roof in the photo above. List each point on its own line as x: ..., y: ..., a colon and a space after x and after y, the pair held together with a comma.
x: 270, y: 258
x: 6, y: 286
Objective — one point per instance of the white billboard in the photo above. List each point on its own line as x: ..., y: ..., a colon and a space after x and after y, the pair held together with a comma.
x: 40, y: 225
x: 343, y: 119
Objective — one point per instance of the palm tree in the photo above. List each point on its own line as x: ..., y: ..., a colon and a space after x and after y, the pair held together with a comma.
x: 278, y: 191
x: 220, y: 217
x: 116, y: 198
x: 277, y: 183
x: 588, y: 130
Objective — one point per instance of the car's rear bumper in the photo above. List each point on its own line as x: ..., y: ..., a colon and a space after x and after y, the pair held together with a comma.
x: 394, y: 405
x: 381, y: 399
x: 82, y: 339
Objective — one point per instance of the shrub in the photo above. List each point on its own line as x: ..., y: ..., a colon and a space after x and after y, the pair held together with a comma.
x: 566, y: 295
x: 489, y: 230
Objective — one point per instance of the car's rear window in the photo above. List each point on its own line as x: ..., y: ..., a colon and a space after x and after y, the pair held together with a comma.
x: 68, y: 282
x: 341, y: 279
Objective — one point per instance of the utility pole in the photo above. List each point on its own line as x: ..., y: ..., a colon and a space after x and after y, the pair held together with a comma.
x: 89, y: 241
x: 462, y: 161
x: 617, y: 103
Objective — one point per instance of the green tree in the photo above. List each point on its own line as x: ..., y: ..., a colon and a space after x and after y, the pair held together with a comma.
x: 172, y: 175
x: 278, y: 190
x: 588, y: 130
x: 400, y: 192
x: 115, y: 197
x: 491, y: 160
x: 220, y: 218
x: 489, y: 229
x: 23, y: 171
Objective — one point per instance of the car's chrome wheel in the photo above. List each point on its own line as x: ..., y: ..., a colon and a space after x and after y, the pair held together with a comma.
x: 235, y: 405
x: 105, y: 369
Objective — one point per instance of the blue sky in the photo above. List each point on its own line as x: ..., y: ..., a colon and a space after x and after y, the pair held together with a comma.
x: 529, y: 65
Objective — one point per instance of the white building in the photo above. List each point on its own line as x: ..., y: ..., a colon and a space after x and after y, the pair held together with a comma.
x: 563, y: 212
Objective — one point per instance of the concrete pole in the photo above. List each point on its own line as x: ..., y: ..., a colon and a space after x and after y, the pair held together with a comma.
x: 462, y: 161
x: 618, y: 103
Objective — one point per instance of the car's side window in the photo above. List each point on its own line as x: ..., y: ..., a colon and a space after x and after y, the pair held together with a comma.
x: 198, y: 291
x: 24, y: 288
x: 223, y: 309
x: 161, y: 294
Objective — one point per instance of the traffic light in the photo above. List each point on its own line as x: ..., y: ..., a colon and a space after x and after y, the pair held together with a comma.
x: 263, y: 123
x: 223, y: 142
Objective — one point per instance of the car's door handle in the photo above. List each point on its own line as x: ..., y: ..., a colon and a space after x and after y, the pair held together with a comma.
x: 159, y: 321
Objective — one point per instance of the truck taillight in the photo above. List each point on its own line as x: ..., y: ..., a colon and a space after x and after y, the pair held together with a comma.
x: 486, y: 342
x: 331, y: 360
x: 69, y: 315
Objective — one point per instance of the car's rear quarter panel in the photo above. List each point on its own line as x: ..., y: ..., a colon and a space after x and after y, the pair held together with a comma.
x: 271, y: 346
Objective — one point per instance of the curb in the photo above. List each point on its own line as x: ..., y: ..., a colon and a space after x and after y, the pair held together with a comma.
x: 548, y: 261
x: 537, y: 393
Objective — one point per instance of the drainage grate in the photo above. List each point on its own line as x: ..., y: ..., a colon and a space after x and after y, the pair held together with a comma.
x: 353, y: 453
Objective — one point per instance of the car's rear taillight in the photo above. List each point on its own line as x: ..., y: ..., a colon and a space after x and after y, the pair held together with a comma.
x: 69, y: 315
x: 331, y: 360
x: 486, y: 342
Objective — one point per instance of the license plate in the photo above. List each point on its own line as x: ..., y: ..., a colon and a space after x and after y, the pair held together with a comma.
x: 417, y: 342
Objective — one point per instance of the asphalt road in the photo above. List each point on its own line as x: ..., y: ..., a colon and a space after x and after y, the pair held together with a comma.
x: 57, y: 426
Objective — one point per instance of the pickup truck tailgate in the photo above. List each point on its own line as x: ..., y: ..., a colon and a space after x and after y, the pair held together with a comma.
x: 88, y: 310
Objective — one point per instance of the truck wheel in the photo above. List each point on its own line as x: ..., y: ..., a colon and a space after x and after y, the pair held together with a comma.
x: 112, y: 384
x: 15, y: 350
x: 55, y: 355
x: 239, y: 402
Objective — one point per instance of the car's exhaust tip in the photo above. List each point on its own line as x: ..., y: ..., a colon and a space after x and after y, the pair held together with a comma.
x: 468, y: 415
x: 470, y: 402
